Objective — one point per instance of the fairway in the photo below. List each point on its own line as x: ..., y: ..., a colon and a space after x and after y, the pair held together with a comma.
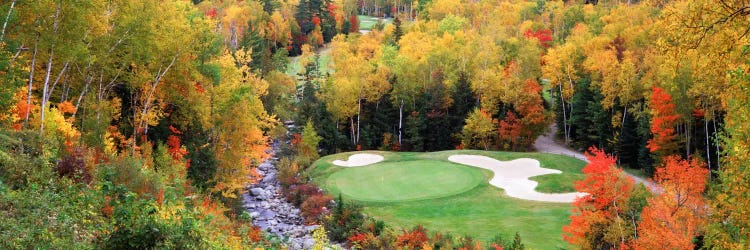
x: 408, y: 189
x: 404, y: 181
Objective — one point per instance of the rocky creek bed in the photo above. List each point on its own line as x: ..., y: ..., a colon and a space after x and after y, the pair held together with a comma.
x: 272, y: 213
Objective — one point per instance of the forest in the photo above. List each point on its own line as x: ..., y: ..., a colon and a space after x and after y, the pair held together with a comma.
x: 135, y: 124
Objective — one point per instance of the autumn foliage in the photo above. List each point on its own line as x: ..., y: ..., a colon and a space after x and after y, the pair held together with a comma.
x: 412, y: 239
x: 544, y: 36
x: 608, y: 189
x: 353, y: 24
x: 510, y: 129
x: 663, y: 123
x: 678, y: 214
x: 176, y: 150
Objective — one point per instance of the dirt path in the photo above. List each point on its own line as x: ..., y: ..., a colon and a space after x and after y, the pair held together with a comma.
x: 547, y: 144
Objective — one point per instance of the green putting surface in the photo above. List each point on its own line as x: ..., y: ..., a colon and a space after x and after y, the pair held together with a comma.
x: 482, y: 211
x: 404, y: 181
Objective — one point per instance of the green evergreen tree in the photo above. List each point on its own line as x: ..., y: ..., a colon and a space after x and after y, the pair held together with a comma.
x: 628, y: 143
x: 413, y: 140
x: 463, y: 103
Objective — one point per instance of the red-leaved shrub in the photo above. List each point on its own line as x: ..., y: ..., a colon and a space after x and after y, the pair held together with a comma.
x: 412, y: 239
x: 314, y: 207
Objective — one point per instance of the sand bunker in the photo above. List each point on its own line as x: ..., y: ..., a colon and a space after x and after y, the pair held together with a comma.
x: 359, y: 160
x: 513, y: 176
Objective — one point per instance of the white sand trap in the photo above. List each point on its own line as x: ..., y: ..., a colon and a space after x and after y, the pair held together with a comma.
x: 359, y: 160
x: 513, y: 176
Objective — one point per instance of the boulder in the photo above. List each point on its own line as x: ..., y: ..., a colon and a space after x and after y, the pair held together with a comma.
x: 257, y: 191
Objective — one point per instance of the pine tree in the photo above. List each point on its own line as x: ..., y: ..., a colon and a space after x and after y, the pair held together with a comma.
x: 415, y: 124
x: 397, y: 31
x: 463, y: 103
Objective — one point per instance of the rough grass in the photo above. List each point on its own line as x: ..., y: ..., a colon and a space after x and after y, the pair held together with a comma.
x: 481, y: 212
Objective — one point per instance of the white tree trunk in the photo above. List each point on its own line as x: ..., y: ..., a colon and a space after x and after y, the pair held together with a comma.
x: 400, y: 120
x: 7, y: 19
x: 359, y: 114
x: 31, y: 81
x: 49, y: 71
x: 147, y: 102
x: 45, y: 92
x: 565, y: 121
x: 708, y: 146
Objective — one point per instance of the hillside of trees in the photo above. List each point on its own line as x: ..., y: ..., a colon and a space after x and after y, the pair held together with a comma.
x: 142, y: 121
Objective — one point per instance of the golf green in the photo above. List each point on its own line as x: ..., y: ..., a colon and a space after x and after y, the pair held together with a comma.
x: 483, y: 211
x: 405, y: 180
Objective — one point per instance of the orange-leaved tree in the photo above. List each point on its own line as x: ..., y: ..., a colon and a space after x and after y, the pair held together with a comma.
x: 673, y: 218
x: 530, y: 106
x: 599, y: 220
x: 510, y: 131
x: 662, y: 124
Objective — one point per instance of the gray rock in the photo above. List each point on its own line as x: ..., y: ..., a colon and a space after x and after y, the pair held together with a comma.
x: 269, y: 178
x: 257, y: 191
x: 296, y: 244
x: 308, y: 243
x: 311, y: 228
x: 270, y: 210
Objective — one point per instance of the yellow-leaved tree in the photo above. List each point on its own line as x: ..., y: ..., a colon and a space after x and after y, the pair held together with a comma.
x: 238, y: 121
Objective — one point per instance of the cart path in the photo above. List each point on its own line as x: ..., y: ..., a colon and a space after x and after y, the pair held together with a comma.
x: 547, y: 144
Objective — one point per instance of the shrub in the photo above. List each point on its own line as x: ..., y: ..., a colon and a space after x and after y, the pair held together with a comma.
x: 468, y: 243
x: 499, y: 242
x: 440, y: 241
x: 129, y: 173
x: 299, y: 193
x: 56, y: 215
x: 364, y: 241
x: 74, y: 167
x: 314, y: 207
x: 345, y: 220
x: 288, y: 170
x: 412, y: 239
x: 138, y: 225
x: 21, y: 161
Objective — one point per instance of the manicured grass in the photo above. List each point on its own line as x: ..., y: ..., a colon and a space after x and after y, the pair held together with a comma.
x: 404, y: 181
x: 294, y: 67
x: 366, y: 22
x: 481, y: 212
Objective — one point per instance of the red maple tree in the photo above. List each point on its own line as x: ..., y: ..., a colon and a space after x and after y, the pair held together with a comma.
x: 354, y: 23
x: 510, y: 128
x: 672, y: 219
x: 544, y: 36
x: 608, y: 189
x: 175, y: 149
x: 663, y: 122
x: 316, y: 20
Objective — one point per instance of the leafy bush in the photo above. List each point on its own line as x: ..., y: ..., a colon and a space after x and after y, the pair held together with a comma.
x: 138, y: 225
x: 345, y: 220
x: 129, y: 173
x: 21, y: 162
x: 499, y: 242
x: 299, y: 193
x: 74, y: 167
x: 413, y: 239
x: 60, y: 215
x: 314, y: 207
x: 287, y: 174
